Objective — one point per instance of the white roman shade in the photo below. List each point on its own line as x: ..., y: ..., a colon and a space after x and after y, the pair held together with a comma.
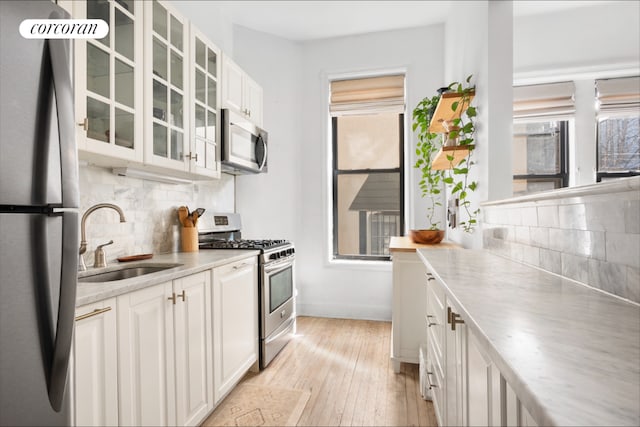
x: 379, y: 94
x: 544, y: 101
x: 618, y: 97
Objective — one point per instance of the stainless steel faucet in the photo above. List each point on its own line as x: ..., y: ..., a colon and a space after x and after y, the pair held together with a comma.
x: 100, y: 257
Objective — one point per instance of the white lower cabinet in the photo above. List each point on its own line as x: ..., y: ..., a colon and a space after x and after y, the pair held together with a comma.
x: 146, y: 357
x: 454, y: 368
x: 167, y: 354
x: 194, y: 351
x: 467, y: 389
x: 95, y: 365
x: 165, y: 348
x: 235, y: 323
x: 408, y: 310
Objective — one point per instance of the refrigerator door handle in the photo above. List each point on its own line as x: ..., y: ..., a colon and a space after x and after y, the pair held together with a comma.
x: 66, y: 310
x: 60, y: 65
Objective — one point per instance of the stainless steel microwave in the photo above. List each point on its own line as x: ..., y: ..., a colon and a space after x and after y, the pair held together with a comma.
x: 244, y: 145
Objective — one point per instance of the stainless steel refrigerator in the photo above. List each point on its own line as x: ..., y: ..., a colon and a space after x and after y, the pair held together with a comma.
x: 38, y: 220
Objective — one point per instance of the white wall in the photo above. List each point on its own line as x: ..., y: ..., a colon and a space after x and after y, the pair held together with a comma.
x: 478, y: 41
x: 348, y: 290
x: 598, y: 38
x: 269, y: 202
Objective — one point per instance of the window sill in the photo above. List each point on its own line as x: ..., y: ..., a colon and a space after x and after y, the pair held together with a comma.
x: 348, y: 264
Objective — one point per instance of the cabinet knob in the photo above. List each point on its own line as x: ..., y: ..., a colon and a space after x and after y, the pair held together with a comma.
x: 172, y: 298
x: 183, y: 295
x: 84, y: 124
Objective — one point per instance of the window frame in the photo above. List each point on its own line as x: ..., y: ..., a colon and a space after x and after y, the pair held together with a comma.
x: 335, y: 172
x: 563, y: 175
x: 609, y: 175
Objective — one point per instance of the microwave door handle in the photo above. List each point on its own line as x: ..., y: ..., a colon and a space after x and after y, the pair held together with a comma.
x: 264, y: 151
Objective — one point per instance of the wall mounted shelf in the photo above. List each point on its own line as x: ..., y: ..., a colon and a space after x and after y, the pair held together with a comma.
x: 445, y: 113
x: 460, y: 152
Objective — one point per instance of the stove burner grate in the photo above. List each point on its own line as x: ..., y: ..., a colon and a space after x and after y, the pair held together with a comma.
x: 242, y: 244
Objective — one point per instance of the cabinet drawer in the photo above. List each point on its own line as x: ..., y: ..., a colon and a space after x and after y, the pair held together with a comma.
x: 436, y: 383
x: 435, y: 335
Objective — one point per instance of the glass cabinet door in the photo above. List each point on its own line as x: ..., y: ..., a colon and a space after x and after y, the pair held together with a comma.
x: 166, y: 41
x: 108, y: 101
x: 205, y: 71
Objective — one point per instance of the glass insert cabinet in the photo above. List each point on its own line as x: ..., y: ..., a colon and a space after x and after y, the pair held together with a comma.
x: 108, y: 81
x: 147, y: 92
x: 166, y: 83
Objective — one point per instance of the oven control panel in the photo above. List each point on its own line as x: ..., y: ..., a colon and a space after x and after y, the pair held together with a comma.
x: 283, y: 253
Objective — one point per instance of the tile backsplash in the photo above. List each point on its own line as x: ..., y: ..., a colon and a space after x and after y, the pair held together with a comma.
x: 150, y: 209
x: 590, y: 234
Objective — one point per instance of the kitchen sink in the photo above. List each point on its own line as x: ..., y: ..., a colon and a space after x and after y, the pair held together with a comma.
x: 125, y: 273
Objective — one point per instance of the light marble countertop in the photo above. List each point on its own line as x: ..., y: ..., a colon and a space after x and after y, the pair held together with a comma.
x: 570, y: 353
x: 190, y: 263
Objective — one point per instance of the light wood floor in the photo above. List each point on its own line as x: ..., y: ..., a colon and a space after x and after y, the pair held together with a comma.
x: 345, y: 365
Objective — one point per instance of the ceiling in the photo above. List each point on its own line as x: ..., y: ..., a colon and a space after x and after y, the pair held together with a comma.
x: 311, y: 20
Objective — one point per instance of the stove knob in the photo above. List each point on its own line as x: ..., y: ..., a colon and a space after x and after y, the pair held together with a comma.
x: 274, y: 256
x: 283, y: 253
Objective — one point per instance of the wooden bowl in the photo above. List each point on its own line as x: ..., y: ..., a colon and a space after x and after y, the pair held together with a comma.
x: 429, y: 237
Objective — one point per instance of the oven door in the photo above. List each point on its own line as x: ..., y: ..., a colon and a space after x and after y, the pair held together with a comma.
x: 277, y: 295
x: 244, y: 147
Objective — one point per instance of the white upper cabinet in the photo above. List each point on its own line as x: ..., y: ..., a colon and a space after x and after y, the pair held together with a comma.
x: 149, y: 94
x: 108, y: 83
x: 204, y: 67
x: 240, y: 92
x: 166, y: 84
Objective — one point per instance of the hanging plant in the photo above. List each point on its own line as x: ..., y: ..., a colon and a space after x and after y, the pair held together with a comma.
x: 461, y: 129
x: 457, y: 176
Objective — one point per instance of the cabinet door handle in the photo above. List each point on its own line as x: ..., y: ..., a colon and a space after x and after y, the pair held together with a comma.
x: 183, y: 295
x: 455, y: 320
x: 192, y: 156
x: 172, y: 298
x: 238, y: 267
x: 431, y: 385
x: 429, y: 322
x: 93, y: 313
x: 430, y: 277
x: 84, y: 124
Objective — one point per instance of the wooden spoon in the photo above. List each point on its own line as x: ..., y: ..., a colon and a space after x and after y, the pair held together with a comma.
x: 183, y: 215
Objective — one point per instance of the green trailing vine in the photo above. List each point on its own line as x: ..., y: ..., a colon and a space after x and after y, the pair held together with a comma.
x: 427, y: 146
x: 429, y: 143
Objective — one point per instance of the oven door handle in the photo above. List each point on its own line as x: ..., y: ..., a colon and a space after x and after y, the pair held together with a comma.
x: 284, y: 331
x: 276, y: 267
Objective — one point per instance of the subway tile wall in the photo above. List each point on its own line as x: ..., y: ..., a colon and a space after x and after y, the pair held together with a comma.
x: 590, y: 234
x: 150, y: 209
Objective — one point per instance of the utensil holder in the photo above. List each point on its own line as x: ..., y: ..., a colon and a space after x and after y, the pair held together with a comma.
x: 189, y: 239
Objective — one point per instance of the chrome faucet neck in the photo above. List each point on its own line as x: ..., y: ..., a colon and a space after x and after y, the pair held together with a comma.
x: 83, y: 234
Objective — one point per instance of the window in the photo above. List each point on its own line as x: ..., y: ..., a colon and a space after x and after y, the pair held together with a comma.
x: 539, y: 156
x: 367, y: 162
x: 541, y: 136
x: 618, y: 137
